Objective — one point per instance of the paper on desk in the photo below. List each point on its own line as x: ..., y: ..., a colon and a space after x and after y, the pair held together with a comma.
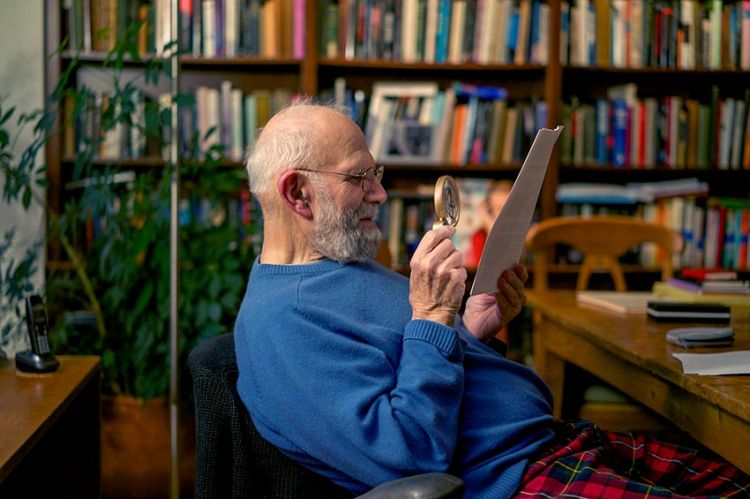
x: 506, y: 238
x: 735, y: 362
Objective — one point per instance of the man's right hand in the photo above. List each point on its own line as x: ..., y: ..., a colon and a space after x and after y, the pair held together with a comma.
x: 438, y: 277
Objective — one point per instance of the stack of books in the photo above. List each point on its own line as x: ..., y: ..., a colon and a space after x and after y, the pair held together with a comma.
x: 704, y: 281
x: 708, y: 286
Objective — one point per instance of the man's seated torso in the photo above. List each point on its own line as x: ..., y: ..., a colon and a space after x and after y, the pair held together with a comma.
x: 336, y: 374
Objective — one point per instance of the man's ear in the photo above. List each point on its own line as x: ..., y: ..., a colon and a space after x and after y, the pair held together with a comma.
x: 294, y: 190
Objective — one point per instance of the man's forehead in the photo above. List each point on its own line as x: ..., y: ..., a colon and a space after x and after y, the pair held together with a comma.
x: 337, y: 137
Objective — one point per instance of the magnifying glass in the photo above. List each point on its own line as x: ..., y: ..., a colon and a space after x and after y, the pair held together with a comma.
x: 447, y: 201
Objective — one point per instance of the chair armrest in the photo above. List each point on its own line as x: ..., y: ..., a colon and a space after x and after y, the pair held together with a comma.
x: 424, y: 486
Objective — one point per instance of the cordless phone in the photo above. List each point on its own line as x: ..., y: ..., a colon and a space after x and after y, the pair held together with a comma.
x: 39, y: 358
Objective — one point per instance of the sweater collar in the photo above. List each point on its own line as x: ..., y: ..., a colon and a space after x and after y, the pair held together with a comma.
x: 318, y: 266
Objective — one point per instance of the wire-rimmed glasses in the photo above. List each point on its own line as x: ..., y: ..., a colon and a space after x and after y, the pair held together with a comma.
x: 365, y: 178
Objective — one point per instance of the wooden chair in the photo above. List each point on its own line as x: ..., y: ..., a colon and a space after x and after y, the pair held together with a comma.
x: 383, y: 256
x: 602, y: 240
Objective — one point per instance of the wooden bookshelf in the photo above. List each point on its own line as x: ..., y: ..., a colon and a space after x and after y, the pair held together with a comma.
x: 554, y: 83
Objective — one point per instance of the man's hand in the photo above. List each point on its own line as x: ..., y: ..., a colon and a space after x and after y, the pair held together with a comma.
x: 438, y: 278
x: 486, y: 313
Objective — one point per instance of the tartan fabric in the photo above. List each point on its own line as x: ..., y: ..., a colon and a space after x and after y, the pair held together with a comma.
x: 588, y: 462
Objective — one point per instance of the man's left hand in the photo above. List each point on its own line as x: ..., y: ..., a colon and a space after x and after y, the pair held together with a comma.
x: 486, y: 314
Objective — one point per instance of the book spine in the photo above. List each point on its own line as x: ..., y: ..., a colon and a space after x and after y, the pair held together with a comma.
x: 209, y: 28
x: 619, y: 132
x: 443, y: 31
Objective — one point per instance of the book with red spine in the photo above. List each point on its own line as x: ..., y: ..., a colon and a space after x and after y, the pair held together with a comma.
x: 709, y: 274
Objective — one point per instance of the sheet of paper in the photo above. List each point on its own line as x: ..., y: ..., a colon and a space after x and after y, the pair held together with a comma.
x: 506, y: 238
x: 736, y: 362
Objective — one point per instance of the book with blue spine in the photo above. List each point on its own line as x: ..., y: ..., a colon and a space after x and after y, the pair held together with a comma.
x: 513, y: 21
x: 619, y: 132
x: 443, y: 30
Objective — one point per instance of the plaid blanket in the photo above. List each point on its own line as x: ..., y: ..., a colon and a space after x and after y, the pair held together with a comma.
x: 588, y: 462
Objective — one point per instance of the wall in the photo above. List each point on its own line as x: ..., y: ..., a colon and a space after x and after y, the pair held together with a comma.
x: 22, y: 85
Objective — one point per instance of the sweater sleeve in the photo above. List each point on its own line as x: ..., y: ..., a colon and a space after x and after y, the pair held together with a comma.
x: 334, y: 397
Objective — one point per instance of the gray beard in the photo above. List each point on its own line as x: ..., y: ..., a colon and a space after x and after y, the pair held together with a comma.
x: 337, y: 234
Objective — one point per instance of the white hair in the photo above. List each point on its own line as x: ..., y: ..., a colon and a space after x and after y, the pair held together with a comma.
x: 285, y: 148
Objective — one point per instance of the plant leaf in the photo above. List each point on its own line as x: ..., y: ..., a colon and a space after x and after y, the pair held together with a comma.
x: 26, y: 197
x: 5, y: 117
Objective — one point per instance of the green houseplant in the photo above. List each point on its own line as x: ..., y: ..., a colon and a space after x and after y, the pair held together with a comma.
x: 111, y: 297
x: 120, y: 272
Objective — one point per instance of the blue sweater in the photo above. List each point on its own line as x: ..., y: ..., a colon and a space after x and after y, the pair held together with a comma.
x: 337, y: 375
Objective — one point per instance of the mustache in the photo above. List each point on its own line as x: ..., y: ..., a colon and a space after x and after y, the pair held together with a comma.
x: 367, y: 210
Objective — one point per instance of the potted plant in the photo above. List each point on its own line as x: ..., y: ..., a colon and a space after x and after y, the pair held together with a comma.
x: 111, y: 298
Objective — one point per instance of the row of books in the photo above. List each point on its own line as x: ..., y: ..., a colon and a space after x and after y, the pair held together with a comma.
x: 222, y: 118
x: 436, y: 31
x: 630, y: 194
x: 727, y: 229
x: 207, y: 28
x: 671, y: 132
x: 241, y: 212
x: 463, y: 124
x: 229, y: 118
x: 96, y: 25
x: 228, y: 28
x: 403, y: 220
x: 683, y: 34
x: 714, y: 234
x: 91, y: 123
x: 714, y: 230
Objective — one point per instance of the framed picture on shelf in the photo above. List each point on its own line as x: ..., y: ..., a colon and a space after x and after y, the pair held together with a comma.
x: 401, y: 125
x: 409, y: 143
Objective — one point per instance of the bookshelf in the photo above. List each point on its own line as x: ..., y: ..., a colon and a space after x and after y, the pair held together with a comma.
x: 674, y: 86
x: 582, y: 62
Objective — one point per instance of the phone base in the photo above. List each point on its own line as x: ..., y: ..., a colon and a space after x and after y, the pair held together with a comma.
x: 31, y: 362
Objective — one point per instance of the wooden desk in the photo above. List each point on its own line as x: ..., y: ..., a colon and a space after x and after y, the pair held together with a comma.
x: 49, y: 430
x: 630, y: 353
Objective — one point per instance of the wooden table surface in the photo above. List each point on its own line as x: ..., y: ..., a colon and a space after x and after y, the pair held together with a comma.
x: 630, y: 352
x: 31, y: 403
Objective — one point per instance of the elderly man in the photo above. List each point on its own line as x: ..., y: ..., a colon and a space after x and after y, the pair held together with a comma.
x: 358, y: 373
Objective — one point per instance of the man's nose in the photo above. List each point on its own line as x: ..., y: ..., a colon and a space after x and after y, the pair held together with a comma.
x: 376, y: 193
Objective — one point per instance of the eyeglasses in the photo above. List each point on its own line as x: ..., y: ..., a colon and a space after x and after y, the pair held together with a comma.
x: 365, y: 178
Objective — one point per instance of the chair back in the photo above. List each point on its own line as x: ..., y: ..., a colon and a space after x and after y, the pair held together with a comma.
x: 602, y: 240
x: 383, y: 255
x: 232, y: 458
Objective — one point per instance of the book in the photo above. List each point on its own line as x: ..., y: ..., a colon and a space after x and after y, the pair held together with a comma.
x: 622, y: 302
x: 665, y: 290
x: 603, y: 32
x: 728, y: 286
x: 708, y: 274
x: 677, y: 311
